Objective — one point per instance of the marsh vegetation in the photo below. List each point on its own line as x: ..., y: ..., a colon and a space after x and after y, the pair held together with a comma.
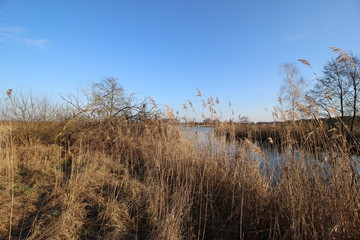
x: 115, y: 167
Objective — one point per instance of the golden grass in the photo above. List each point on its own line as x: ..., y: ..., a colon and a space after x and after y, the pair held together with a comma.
x: 120, y: 180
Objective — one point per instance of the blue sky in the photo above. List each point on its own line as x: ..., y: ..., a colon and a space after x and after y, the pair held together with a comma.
x: 166, y: 49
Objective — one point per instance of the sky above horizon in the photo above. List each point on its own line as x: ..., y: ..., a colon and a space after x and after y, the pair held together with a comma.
x: 166, y: 49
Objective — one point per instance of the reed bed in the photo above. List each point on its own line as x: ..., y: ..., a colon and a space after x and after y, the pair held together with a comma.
x: 304, y: 133
x: 115, y: 179
x: 132, y: 175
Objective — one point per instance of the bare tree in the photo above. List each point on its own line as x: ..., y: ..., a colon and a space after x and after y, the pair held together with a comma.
x: 335, y: 85
x: 292, y: 91
x: 336, y: 93
x: 107, y: 99
x: 322, y: 99
x: 352, y: 75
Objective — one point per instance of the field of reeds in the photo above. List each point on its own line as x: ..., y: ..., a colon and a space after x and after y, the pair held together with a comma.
x: 112, y: 178
x: 302, y: 133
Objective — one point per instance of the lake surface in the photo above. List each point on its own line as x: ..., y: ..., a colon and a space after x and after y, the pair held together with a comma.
x: 269, y: 157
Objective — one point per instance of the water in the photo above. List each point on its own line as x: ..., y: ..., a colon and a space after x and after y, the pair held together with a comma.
x: 205, y: 138
x: 270, y: 158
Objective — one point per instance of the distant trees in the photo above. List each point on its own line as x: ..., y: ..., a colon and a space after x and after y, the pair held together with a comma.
x: 101, y: 100
x: 243, y: 119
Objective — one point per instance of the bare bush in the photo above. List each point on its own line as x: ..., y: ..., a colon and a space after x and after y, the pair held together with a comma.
x: 107, y: 99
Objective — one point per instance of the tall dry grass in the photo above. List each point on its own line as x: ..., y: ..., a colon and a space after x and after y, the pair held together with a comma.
x: 115, y: 179
x: 121, y: 180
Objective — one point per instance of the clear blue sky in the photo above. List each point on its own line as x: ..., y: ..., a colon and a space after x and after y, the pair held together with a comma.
x: 166, y: 49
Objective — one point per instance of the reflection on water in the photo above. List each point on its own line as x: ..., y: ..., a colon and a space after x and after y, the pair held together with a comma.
x: 269, y: 157
x: 205, y: 140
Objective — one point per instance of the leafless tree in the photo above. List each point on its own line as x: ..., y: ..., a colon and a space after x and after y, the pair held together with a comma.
x: 352, y: 74
x: 292, y: 91
x: 107, y: 99
x: 337, y: 91
x: 335, y: 85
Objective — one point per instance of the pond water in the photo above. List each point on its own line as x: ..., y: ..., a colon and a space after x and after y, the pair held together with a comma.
x: 269, y: 157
